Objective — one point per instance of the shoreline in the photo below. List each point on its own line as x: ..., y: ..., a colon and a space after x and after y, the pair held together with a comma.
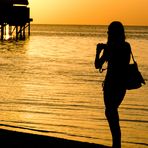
x: 25, y: 140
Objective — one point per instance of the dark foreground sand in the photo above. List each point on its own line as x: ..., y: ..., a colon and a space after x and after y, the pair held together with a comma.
x: 12, y: 139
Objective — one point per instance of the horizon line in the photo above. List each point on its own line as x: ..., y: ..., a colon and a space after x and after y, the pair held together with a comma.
x: 85, y: 24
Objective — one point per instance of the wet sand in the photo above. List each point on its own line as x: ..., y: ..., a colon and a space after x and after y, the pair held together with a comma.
x: 15, y: 139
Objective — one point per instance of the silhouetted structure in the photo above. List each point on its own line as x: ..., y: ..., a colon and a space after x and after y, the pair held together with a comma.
x: 15, y: 15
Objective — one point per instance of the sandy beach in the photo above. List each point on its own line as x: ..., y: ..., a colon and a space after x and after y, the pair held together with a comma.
x: 25, y: 140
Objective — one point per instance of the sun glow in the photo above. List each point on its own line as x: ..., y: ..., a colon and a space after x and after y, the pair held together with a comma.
x: 89, y: 11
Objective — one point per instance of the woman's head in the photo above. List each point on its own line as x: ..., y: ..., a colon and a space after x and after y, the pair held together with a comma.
x: 116, y: 32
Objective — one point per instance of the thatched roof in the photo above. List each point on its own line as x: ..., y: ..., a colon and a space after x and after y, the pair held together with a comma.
x: 21, y: 2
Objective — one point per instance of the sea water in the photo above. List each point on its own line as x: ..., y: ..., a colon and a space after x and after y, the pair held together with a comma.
x: 49, y: 85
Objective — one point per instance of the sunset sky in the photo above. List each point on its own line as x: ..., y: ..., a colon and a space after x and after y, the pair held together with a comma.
x: 129, y: 12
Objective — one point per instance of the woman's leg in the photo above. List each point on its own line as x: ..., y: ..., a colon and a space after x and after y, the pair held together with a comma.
x: 113, y: 120
x: 112, y: 101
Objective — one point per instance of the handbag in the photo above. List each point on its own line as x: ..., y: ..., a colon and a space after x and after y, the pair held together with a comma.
x: 134, y: 78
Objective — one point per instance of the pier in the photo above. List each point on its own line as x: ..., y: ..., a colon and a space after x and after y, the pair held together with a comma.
x: 14, y: 19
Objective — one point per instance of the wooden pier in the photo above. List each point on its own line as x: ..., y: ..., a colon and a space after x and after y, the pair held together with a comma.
x: 14, y: 19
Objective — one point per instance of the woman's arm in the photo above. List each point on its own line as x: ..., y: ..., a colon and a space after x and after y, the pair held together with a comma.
x: 99, y: 61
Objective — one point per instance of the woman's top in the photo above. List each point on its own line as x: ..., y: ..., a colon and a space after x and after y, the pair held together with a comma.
x: 118, y: 57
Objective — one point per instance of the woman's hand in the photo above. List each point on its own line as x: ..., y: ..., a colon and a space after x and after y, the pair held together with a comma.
x: 99, y: 61
x: 100, y: 46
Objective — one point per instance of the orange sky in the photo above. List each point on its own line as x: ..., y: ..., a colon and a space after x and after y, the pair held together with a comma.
x: 129, y: 12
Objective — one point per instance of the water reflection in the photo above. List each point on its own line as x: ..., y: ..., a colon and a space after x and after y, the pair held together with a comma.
x: 51, y: 89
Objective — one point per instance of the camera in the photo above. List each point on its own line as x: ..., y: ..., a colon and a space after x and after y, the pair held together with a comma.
x: 101, y: 46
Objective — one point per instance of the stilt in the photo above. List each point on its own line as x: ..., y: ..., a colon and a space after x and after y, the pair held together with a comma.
x: 16, y: 33
x: 10, y: 30
x: 2, y: 31
x: 29, y: 29
x: 21, y: 36
x: 5, y: 29
x: 24, y: 36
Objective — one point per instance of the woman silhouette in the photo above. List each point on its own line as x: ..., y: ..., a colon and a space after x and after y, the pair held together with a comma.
x: 117, y: 55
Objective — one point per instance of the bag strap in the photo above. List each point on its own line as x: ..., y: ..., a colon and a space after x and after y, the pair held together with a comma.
x: 133, y: 57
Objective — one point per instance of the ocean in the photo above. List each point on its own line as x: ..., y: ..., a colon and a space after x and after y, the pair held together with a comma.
x: 49, y: 85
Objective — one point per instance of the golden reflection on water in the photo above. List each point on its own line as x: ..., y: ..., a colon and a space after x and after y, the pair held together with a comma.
x: 53, y: 90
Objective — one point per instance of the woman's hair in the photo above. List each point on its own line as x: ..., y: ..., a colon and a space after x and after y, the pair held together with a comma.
x: 116, y: 32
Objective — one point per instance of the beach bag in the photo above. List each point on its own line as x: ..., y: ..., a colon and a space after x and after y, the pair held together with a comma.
x: 134, y: 78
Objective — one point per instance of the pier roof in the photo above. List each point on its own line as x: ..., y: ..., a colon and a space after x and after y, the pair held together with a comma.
x: 11, y: 2
x: 23, y: 2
